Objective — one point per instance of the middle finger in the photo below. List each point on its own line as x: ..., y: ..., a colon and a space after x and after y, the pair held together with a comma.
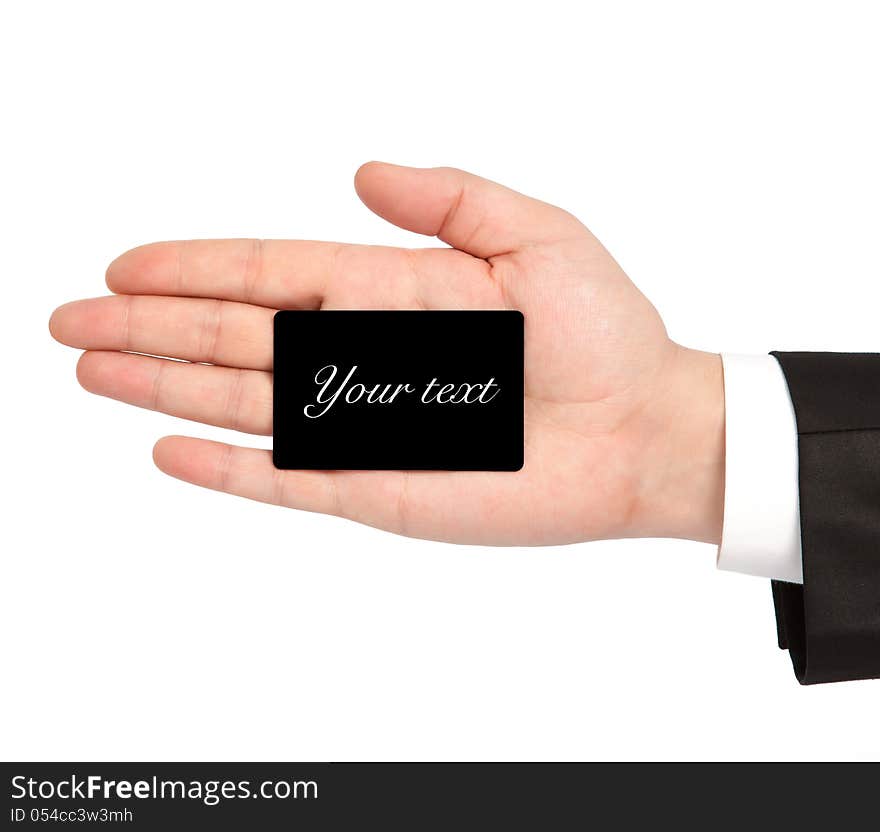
x: 196, y: 329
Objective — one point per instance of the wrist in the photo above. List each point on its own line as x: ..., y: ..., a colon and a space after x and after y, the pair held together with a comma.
x: 681, y: 490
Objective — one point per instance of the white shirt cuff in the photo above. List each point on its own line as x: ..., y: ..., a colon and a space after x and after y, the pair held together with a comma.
x: 762, y: 529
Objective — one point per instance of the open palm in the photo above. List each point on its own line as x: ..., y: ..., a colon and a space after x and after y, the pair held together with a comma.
x: 623, y: 427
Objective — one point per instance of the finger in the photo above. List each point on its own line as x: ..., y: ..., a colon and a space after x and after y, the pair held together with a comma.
x: 371, y: 497
x: 212, y: 331
x: 274, y: 273
x: 472, y: 214
x: 221, y: 396
x: 298, y: 274
x: 246, y: 472
x: 413, y: 503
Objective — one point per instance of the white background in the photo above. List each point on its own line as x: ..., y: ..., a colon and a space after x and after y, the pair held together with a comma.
x: 725, y: 153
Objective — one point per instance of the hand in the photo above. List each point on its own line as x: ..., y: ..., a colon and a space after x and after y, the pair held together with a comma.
x: 623, y: 428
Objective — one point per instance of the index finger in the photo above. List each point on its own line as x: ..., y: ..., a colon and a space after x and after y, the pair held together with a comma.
x: 273, y: 273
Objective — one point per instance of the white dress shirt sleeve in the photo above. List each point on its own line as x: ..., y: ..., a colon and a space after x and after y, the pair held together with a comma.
x: 762, y: 530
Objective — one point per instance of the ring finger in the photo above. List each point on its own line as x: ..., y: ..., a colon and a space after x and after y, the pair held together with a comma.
x: 221, y: 396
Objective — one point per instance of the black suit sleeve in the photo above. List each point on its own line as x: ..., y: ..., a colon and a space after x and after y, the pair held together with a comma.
x: 831, y: 624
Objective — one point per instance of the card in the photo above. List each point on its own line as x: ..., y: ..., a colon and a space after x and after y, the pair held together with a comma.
x: 398, y: 390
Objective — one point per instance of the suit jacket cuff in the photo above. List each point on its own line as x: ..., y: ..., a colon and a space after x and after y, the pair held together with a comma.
x: 831, y: 624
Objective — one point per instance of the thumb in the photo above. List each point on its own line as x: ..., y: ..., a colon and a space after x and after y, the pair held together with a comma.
x: 472, y: 214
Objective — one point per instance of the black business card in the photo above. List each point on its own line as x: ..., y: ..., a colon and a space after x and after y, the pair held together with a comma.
x: 398, y: 390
